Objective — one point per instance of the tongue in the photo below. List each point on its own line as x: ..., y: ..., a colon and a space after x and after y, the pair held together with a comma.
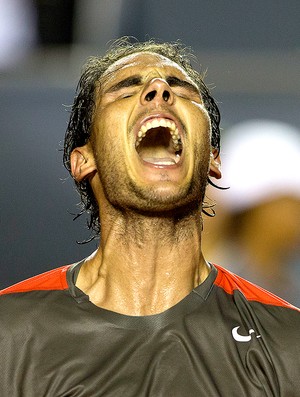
x: 158, y: 155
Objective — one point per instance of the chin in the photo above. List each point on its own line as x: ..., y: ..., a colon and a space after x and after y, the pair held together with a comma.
x: 165, y: 198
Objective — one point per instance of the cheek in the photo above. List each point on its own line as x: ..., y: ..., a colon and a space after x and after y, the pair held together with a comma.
x: 109, y: 127
x: 108, y: 145
x: 200, y: 128
x: 202, y: 143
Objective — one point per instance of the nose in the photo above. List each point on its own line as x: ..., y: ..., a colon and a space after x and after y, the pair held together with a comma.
x: 157, y: 91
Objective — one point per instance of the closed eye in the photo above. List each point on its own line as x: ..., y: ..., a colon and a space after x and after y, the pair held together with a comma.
x: 124, y: 96
x: 125, y: 93
x: 125, y: 88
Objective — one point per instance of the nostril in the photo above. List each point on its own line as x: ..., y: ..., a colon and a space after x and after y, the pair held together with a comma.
x: 166, y: 95
x: 150, y: 96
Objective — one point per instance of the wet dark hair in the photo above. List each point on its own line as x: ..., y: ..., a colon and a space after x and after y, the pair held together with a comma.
x: 81, y: 119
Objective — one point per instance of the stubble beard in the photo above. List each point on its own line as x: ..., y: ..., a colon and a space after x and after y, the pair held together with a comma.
x: 124, y: 194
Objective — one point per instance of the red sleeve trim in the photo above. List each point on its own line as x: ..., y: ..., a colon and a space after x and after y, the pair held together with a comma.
x: 52, y: 280
x: 230, y: 282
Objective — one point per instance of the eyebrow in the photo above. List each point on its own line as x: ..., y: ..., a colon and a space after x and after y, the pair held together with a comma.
x: 128, y: 82
x: 176, y: 82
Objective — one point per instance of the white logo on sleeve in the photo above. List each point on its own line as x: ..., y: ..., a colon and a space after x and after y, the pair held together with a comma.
x: 243, y: 338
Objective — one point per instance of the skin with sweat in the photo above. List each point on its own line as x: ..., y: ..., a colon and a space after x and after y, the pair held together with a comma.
x: 150, y: 207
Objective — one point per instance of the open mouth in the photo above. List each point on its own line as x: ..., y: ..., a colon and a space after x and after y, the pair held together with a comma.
x: 159, y: 143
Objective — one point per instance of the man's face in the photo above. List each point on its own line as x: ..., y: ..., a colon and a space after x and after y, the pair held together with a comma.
x: 151, y: 135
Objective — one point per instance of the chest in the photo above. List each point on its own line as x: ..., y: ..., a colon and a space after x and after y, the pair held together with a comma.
x: 192, y: 355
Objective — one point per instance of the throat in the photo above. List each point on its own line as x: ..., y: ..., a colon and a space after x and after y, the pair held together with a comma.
x: 146, y: 270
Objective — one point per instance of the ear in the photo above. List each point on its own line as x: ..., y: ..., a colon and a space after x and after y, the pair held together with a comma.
x: 215, y: 164
x: 82, y: 162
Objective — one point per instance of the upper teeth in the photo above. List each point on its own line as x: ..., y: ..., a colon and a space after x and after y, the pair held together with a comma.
x: 154, y: 123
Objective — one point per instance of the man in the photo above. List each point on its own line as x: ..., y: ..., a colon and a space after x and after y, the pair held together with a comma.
x: 145, y: 315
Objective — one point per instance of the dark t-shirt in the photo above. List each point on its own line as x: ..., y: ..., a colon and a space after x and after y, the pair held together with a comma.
x: 226, y: 338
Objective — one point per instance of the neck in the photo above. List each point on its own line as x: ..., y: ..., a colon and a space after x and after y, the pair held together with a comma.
x: 144, y: 264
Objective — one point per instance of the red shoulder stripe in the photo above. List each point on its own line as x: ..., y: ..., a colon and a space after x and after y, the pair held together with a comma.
x: 52, y: 280
x: 230, y: 282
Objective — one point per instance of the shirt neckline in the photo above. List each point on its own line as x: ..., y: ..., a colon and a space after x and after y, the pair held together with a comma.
x: 187, y: 305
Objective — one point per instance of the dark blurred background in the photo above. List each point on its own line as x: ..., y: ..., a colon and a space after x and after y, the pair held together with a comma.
x: 251, y: 50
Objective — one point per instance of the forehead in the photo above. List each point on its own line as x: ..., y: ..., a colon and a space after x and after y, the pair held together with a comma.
x: 142, y: 61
